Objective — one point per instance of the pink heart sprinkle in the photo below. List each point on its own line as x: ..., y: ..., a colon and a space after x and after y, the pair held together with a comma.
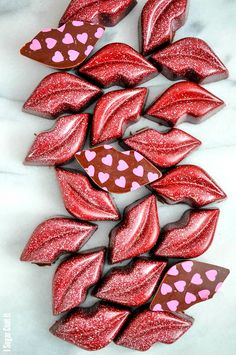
x: 103, y: 177
x: 51, y: 42
x: 121, y: 182
x: 172, y: 305
x: 61, y: 29
x: 46, y: 29
x: 88, y: 50
x: 77, y: 23
x: 173, y: 271
x: 68, y: 39
x: 89, y: 155
x: 180, y: 285
x: 152, y: 176
x: 196, y: 279
x: 107, y: 146
x: 211, y: 275
x: 190, y: 298
x: 138, y: 171
x: 90, y: 170
x: 126, y: 153
x: 99, y: 32
x: 35, y: 45
x: 122, y: 165
x: 187, y: 265
x: 135, y: 186
x: 107, y: 160
x: 82, y: 37
x: 58, y: 57
x: 165, y: 288
x: 157, y: 307
x: 138, y: 156
x: 73, y: 55
x: 218, y: 286
x: 204, y: 294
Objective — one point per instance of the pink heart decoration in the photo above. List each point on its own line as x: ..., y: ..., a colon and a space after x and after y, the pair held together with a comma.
x: 187, y: 266
x: 90, y: 170
x: 121, y: 182
x: 211, y: 275
x: 58, y: 57
x: 107, y: 160
x: 35, y: 45
x: 103, y: 177
x: 165, y: 288
x: 126, y: 153
x: 135, y: 186
x: 180, y: 285
x: 51, y: 42
x: 99, y: 32
x: 172, y: 305
x: 68, y: 39
x: 152, y: 176
x: 190, y: 298
x: 90, y: 155
x: 77, y: 23
x: 46, y: 29
x: 157, y: 307
x: 61, y: 29
x: 218, y: 286
x: 82, y: 37
x: 204, y: 294
x: 107, y: 146
x: 196, y: 279
x: 88, y: 50
x: 138, y: 171
x: 173, y: 271
x: 73, y: 55
x: 138, y: 156
x: 122, y: 165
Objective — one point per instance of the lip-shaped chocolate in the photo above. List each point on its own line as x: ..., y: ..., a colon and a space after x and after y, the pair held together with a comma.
x: 159, y: 22
x: 116, y: 171
x: 103, y: 12
x: 190, y: 58
x: 187, y: 283
x: 65, y: 47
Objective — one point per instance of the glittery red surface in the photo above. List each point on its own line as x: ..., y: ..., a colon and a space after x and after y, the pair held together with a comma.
x: 137, y: 233
x: 159, y: 22
x: 147, y: 328
x: 189, y: 184
x: 54, y: 237
x: 114, y: 112
x: 163, y: 149
x: 184, y: 101
x: 190, y: 236
x: 73, y: 277
x: 118, y: 64
x: 82, y: 200
x: 190, y: 58
x: 91, y: 328
x: 60, y: 92
x: 59, y: 144
x: 103, y: 12
x: 133, y: 284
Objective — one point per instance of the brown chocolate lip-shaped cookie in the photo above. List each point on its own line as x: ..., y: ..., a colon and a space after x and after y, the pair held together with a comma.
x: 64, y: 47
x: 117, y: 171
x: 186, y: 284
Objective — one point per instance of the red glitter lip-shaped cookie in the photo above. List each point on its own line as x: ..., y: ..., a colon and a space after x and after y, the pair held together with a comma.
x: 162, y: 149
x: 186, y: 284
x: 137, y: 233
x: 59, y: 144
x: 54, y: 237
x: 184, y: 101
x: 58, y: 93
x: 74, y: 277
x: 65, y: 47
x: 103, y: 12
x: 190, y: 58
x: 189, y: 184
x: 190, y: 236
x: 159, y: 22
x: 82, y: 200
x: 133, y: 284
x: 91, y: 328
x: 114, y: 112
x: 116, y: 171
x: 118, y: 64
x: 147, y: 328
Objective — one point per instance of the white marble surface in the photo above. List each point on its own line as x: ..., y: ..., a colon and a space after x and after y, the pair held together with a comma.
x: 28, y: 195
